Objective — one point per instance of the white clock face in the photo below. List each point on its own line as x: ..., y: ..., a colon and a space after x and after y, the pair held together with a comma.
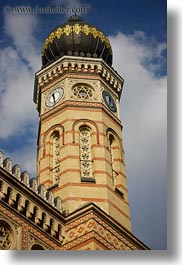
x: 54, y: 97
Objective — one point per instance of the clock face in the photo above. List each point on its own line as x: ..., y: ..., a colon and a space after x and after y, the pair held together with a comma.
x: 54, y: 97
x: 108, y: 99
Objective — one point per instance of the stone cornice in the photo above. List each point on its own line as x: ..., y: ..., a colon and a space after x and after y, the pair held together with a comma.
x: 76, y: 104
x: 34, y: 203
x: 107, y: 222
x: 89, y: 222
x: 77, y: 66
x: 125, y: 239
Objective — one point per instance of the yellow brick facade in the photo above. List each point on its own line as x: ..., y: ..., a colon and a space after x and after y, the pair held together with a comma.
x: 66, y: 118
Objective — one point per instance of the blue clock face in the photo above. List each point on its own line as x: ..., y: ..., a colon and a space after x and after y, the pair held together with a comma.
x: 108, y: 99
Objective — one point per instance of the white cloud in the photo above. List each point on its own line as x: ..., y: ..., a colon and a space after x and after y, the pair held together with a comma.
x: 144, y: 117
x: 19, y: 61
x: 144, y: 99
x: 21, y: 29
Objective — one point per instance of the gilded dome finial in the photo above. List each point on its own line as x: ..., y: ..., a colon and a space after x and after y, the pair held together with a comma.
x: 76, y: 38
x: 74, y: 18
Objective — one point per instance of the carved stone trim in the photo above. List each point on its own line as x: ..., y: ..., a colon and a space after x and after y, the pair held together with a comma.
x: 10, y: 235
x: 33, y: 241
x: 91, y: 68
x: 83, y: 92
x: 85, y: 153
x: 77, y: 28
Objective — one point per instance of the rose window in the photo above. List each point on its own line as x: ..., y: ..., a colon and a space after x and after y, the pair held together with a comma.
x: 83, y: 92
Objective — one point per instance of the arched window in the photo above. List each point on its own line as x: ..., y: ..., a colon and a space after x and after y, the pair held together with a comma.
x: 55, y: 157
x: 37, y: 247
x: 115, y: 154
x: 85, y: 153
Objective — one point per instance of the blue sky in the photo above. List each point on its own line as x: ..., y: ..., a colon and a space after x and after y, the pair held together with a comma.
x: 137, y: 31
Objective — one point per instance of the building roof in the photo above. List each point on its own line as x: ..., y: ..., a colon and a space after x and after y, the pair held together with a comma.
x: 76, y: 38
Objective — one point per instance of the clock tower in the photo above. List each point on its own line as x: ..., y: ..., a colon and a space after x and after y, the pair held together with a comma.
x: 80, y: 154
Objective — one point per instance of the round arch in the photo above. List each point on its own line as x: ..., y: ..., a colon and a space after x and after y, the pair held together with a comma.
x: 85, y: 122
x: 52, y: 129
x: 37, y: 247
x: 110, y: 131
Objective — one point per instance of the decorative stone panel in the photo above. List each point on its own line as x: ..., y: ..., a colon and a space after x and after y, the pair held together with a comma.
x: 85, y: 153
x: 83, y: 92
x: 35, y: 243
x: 10, y: 234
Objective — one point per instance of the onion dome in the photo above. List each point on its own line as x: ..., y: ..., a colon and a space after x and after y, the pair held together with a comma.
x: 76, y: 38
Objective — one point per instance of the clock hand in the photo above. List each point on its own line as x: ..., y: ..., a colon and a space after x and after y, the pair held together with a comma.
x: 53, y: 95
